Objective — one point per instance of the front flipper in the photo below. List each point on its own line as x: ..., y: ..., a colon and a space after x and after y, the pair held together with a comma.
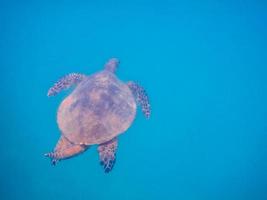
x: 107, y: 154
x: 65, y: 82
x: 64, y: 150
x: 141, y: 97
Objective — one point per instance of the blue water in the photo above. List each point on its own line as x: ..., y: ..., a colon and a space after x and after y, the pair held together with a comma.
x: 204, y: 66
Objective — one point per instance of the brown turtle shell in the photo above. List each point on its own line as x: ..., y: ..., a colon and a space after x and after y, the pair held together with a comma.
x: 99, y: 108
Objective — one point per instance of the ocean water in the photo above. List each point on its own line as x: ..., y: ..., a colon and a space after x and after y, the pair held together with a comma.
x: 204, y: 66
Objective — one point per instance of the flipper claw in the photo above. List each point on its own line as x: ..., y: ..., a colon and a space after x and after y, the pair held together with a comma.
x: 53, y: 157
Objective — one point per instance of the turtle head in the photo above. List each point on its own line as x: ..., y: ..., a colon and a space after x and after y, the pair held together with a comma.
x: 112, y: 65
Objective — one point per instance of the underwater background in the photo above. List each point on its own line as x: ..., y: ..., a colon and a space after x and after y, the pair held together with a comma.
x: 204, y: 66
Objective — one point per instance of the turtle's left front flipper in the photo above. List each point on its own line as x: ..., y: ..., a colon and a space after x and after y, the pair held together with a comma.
x: 107, y: 154
x: 65, y: 82
x: 141, y: 97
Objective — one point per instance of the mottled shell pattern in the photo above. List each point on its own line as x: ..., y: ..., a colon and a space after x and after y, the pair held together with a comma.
x: 99, y: 108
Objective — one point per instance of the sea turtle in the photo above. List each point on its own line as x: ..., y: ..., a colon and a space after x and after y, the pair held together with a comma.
x: 100, y: 108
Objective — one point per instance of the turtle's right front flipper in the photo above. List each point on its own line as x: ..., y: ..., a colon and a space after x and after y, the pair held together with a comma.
x: 65, y: 82
x: 141, y: 97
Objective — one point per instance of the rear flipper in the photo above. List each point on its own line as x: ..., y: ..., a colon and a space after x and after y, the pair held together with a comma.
x: 65, y: 82
x: 141, y: 97
x: 107, y: 154
x: 64, y: 150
